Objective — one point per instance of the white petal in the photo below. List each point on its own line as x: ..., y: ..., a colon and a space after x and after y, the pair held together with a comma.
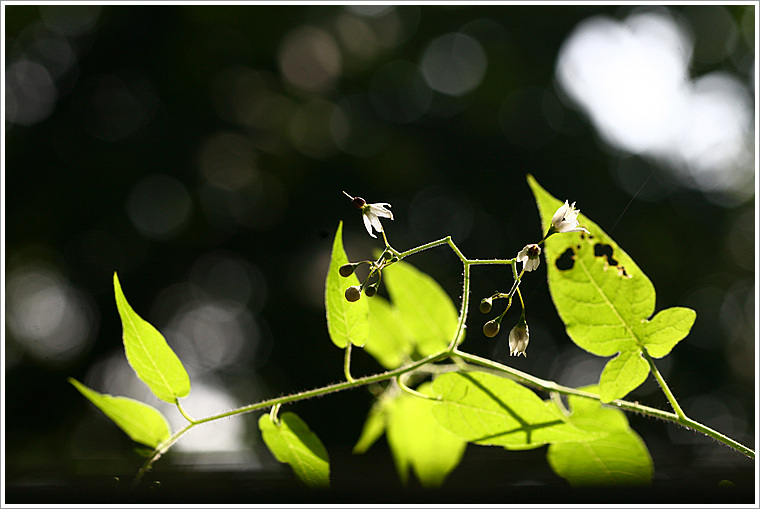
x: 560, y: 214
x: 379, y: 209
x: 368, y: 225
x: 376, y: 223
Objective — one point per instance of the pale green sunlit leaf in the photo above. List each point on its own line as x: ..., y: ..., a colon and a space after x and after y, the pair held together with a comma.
x: 154, y: 362
x: 606, y: 301
x: 425, y: 308
x: 487, y: 409
x: 347, y: 322
x: 418, y: 442
x: 291, y: 441
x: 390, y: 342
x: 141, y: 422
x: 618, y: 458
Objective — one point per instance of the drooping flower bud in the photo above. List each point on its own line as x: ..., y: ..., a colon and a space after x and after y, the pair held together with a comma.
x: 518, y: 339
x: 491, y: 328
x: 371, y: 290
x: 486, y: 305
x: 347, y: 269
x: 353, y: 293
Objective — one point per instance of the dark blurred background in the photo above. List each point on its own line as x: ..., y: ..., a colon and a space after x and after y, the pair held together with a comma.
x: 201, y: 151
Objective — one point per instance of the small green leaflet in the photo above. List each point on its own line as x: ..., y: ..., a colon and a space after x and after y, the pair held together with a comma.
x: 142, y: 423
x: 418, y: 442
x: 291, y: 441
x: 346, y: 321
x: 619, y: 458
x: 606, y: 301
x: 486, y: 409
x: 154, y: 362
x: 424, y: 307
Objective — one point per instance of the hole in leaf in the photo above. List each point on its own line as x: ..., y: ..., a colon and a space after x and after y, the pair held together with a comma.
x: 566, y: 260
x: 605, y: 250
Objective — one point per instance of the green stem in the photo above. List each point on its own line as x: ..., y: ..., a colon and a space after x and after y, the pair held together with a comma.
x: 461, y: 359
x: 664, y: 386
x: 490, y: 366
x: 282, y: 400
x: 347, y: 363
x: 182, y: 411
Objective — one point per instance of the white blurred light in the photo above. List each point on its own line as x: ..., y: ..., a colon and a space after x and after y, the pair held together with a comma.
x: 212, y: 335
x: 47, y: 317
x: 632, y: 80
x: 454, y: 64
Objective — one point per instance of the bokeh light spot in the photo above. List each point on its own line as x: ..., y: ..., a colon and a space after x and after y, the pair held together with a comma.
x: 47, y: 317
x: 310, y: 58
x: 454, y: 64
x: 30, y: 93
x: 159, y: 206
x: 399, y: 92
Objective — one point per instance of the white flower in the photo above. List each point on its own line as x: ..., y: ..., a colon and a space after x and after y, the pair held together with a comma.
x: 518, y: 339
x: 371, y: 213
x: 529, y: 256
x: 565, y: 220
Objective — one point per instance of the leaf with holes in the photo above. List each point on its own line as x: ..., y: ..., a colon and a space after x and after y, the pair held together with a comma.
x: 347, y: 322
x: 618, y: 458
x: 141, y: 422
x: 291, y: 441
x: 606, y: 301
x: 154, y: 362
x: 486, y: 409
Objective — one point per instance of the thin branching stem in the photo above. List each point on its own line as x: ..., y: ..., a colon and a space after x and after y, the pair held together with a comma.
x: 462, y: 361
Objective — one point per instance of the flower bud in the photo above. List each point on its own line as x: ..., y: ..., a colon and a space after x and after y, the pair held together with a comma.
x: 486, y: 305
x: 353, y: 293
x: 490, y: 329
x: 370, y: 291
x: 347, y: 269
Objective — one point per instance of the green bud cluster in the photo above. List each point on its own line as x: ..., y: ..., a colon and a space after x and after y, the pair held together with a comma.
x: 353, y: 293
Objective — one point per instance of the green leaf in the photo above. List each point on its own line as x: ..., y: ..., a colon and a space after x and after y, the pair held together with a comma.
x: 346, y: 321
x: 291, y: 441
x: 606, y: 301
x: 487, y: 409
x: 390, y: 342
x: 618, y: 458
x: 142, y: 423
x: 424, y: 307
x: 154, y: 362
x: 418, y: 442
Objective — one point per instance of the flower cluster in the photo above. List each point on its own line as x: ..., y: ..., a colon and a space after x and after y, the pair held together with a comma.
x: 371, y: 214
x: 565, y: 220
